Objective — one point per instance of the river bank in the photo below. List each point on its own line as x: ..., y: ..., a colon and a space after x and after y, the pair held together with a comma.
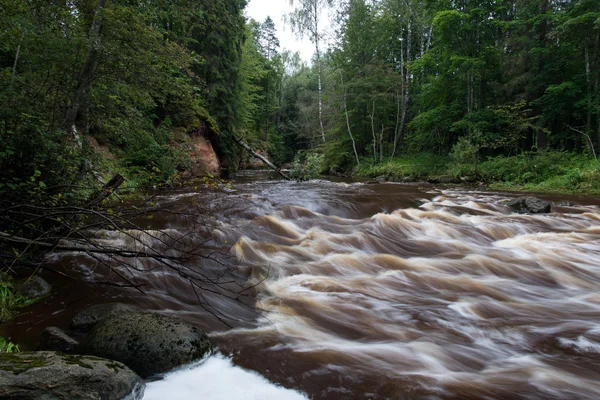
x: 541, y: 172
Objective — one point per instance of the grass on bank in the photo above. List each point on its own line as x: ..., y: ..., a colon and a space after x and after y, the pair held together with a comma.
x: 418, y: 166
x: 10, y: 301
x: 545, y: 171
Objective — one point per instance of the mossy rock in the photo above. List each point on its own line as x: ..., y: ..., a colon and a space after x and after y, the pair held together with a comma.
x: 88, y: 318
x: 34, y: 287
x: 148, y: 343
x: 48, y: 375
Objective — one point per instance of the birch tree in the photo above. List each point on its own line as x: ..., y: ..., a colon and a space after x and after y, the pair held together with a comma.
x: 307, y: 20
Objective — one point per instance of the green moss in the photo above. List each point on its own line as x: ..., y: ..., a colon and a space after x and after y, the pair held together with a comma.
x: 79, y: 360
x: 18, y: 364
x: 116, y: 367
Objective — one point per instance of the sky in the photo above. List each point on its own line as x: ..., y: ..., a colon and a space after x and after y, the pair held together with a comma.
x: 276, y: 9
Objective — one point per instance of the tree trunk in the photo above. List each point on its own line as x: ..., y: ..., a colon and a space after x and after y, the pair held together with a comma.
x: 596, y: 61
x: 263, y: 159
x: 267, y: 110
x: 381, y: 144
x: 348, y: 120
x: 373, y: 132
x: 319, y: 67
x: 106, y: 191
x: 320, y: 94
x: 89, y: 69
x: 406, y: 98
x: 588, y: 120
x: 14, y: 69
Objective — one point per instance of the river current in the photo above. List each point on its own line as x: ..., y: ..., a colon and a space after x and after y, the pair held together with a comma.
x: 373, y: 291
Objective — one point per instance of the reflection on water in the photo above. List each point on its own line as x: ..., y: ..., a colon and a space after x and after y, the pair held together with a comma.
x: 396, y: 291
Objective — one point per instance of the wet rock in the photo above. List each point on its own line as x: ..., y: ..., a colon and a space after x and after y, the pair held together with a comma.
x: 52, y: 376
x: 147, y: 343
x: 407, y: 179
x: 529, y: 205
x: 565, y: 203
x: 381, y: 179
x: 35, y: 287
x: 88, y: 318
x: 55, y: 339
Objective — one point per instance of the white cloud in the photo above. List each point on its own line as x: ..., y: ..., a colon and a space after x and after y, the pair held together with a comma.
x: 277, y: 9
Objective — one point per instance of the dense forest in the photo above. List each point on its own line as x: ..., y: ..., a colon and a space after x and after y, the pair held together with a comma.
x: 429, y: 82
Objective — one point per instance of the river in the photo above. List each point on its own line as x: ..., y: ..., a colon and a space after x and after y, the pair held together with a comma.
x: 369, y: 291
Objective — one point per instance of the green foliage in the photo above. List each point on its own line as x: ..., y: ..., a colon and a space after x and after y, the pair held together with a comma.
x: 10, y: 302
x: 164, y: 67
x: 307, y: 165
x: 533, y: 167
x: 417, y: 166
x: 7, y: 346
x: 464, y: 152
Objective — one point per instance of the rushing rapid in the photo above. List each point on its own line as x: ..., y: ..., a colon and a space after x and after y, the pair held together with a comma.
x: 389, y: 291
x: 456, y: 298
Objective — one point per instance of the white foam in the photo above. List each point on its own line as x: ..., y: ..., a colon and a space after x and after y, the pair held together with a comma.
x: 217, y: 379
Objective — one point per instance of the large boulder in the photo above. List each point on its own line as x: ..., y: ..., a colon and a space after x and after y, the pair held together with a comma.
x: 529, y: 205
x: 47, y: 375
x: 55, y: 339
x: 88, y: 318
x: 34, y: 287
x: 148, y: 343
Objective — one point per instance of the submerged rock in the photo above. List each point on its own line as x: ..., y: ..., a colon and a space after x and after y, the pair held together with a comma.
x: 51, y: 376
x: 147, y: 343
x: 88, y: 318
x: 55, y: 339
x: 529, y: 205
x: 35, y: 287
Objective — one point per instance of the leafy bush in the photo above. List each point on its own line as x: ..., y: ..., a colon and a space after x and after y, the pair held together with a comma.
x: 529, y: 168
x: 9, y: 300
x: 307, y: 165
x: 7, y: 346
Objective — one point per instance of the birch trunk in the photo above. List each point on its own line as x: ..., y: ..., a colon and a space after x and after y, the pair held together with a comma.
x: 588, y: 77
x: 406, y: 99
x: 319, y: 68
x: 373, y: 132
x: 348, y: 120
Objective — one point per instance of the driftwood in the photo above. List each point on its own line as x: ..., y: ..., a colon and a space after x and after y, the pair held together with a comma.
x: 261, y: 158
x: 106, y: 190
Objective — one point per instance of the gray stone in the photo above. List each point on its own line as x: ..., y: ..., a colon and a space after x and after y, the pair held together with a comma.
x: 48, y: 375
x: 148, y: 343
x: 529, y: 205
x: 88, y: 318
x: 55, y: 339
x: 34, y: 287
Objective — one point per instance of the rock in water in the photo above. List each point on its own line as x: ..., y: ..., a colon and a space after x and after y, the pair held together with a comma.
x: 51, y: 376
x: 35, y: 287
x: 529, y: 205
x: 88, y: 318
x: 55, y: 339
x: 147, y: 343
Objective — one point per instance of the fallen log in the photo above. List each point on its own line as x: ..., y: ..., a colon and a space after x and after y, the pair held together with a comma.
x: 106, y: 190
x: 261, y: 158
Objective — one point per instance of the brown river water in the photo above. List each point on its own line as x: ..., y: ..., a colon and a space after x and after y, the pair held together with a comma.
x: 373, y: 291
